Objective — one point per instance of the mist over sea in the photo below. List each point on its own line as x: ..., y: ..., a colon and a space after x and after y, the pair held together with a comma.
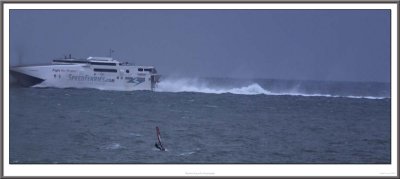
x: 208, y: 120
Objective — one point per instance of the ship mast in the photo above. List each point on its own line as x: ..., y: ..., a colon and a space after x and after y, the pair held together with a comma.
x: 111, y: 51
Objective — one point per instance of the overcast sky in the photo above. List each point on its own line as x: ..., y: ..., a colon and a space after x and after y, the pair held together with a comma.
x: 335, y: 45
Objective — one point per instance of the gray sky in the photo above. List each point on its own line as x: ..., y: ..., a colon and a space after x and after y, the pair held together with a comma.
x: 338, y: 45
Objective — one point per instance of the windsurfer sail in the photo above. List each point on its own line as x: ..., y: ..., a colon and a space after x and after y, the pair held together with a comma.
x: 159, y: 144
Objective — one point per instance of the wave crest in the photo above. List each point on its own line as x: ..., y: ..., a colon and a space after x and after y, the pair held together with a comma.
x: 195, y: 85
x: 202, y: 86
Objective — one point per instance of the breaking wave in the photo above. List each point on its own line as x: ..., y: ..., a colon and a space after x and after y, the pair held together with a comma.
x: 202, y: 86
x: 195, y: 85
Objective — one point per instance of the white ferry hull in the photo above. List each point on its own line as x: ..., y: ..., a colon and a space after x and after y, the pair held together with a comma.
x: 121, y: 78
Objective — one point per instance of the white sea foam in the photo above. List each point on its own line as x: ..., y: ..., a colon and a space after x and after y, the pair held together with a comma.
x: 200, y: 86
x: 135, y: 134
x: 113, y: 146
x: 186, y: 153
x: 195, y: 85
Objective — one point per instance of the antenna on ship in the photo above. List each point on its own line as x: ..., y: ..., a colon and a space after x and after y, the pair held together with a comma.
x: 111, y: 51
x: 69, y: 56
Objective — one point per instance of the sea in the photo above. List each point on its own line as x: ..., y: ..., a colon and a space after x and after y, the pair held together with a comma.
x: 204, y: 121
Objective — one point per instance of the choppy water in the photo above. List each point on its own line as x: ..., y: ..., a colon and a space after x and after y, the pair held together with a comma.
x: 204, y: 121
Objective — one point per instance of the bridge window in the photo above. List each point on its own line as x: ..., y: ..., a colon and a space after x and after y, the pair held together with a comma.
x: 70, y: 61
x: 101, y: 63
x: 105, y: 70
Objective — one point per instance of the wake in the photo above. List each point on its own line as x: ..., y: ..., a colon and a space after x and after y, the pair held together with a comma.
x: 194, y: 85
x: 201, y: 86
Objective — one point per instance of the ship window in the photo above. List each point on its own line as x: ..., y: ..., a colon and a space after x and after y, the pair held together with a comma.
x: 70, y: 61
x: 105, y: 70
x: 127, y: 71
x: 140, y: 69
x: 148, y: 69
x: 101, y: 63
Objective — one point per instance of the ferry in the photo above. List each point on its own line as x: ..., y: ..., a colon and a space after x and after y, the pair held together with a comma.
x: 104, y: 73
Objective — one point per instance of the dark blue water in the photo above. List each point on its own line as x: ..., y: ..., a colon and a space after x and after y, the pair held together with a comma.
x: 212, y: 123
